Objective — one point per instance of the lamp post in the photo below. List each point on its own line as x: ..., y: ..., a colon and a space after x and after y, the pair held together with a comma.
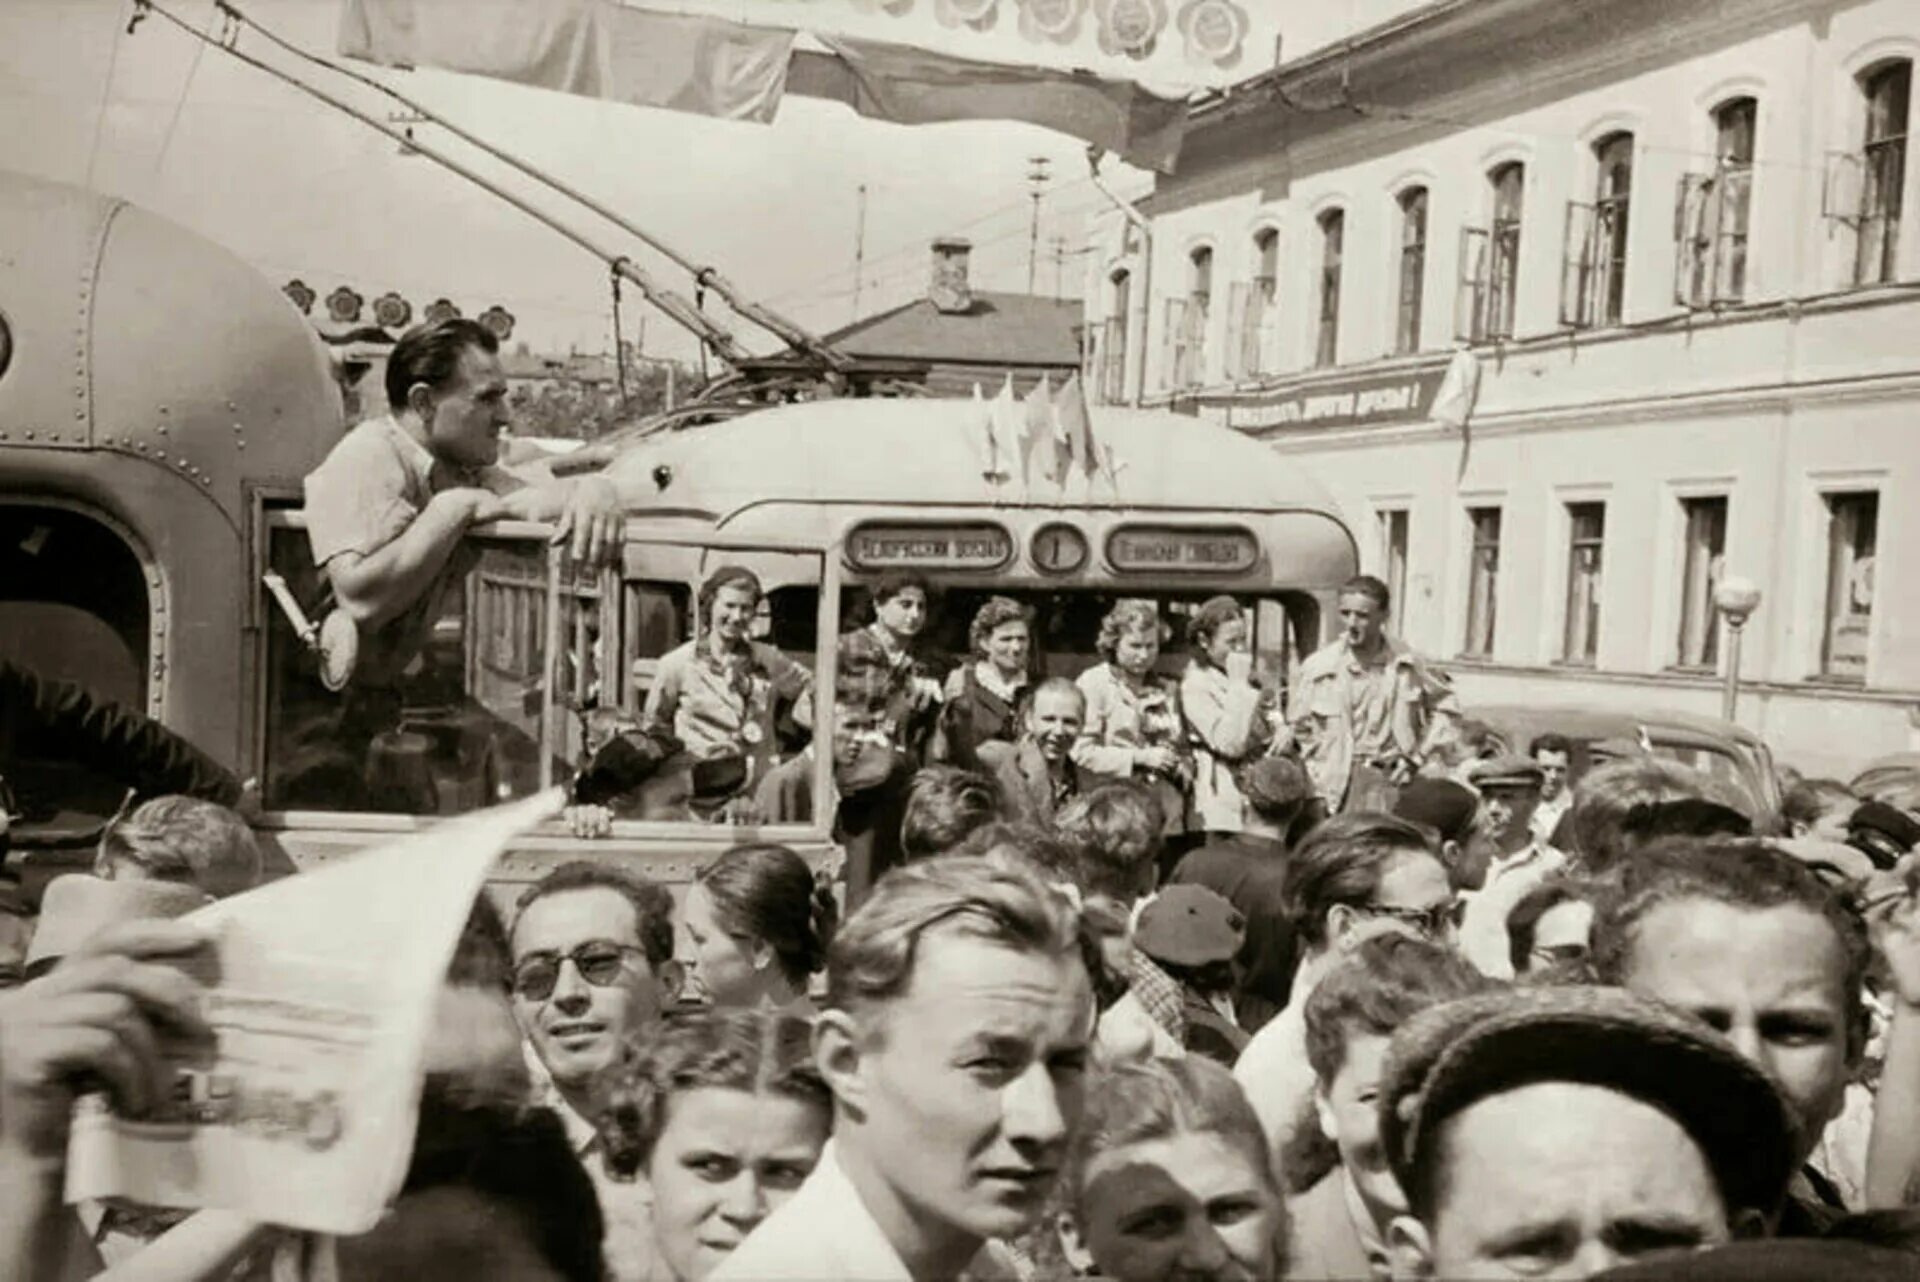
x: 1736, y: 598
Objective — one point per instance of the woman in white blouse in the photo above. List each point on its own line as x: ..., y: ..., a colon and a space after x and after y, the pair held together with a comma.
x: 1229, y: 718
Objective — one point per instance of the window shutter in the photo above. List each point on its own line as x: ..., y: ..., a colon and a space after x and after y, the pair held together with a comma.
x: 1842, y: 193
x: 1237, y: 365
x: 1732, y: 207
x: 1175, y: 340
x: 1691, y: 239
x: 1266, y: 307
x: 1470, y: 299
x: 1576, y: 273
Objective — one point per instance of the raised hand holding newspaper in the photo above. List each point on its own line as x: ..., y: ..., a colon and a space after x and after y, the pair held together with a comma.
x: 320, y: 990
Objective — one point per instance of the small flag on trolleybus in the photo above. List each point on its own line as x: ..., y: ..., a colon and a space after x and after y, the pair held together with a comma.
x: 998, y: 440
x: 1036, y: 429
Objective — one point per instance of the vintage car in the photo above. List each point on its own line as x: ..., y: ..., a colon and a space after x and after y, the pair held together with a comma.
x: 1730, y: 754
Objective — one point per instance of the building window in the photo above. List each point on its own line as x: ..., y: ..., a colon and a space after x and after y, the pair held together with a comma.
x: 1712, y: 214
x: 1253, y: 311
x: 1587, y: 531
x: 1483, y: 578
x: 1393, y: 553
x: 1853, y: 527
x: 1701, y: 560
x: 1594, y: 289
x: 1888, y: 92
x: 1113, y: 360
x: 1490, y: 261
x: 1413, y: 268
x: 1333, y: 232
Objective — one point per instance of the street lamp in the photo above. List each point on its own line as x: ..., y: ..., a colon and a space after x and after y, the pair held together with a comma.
x: 1736, y: 598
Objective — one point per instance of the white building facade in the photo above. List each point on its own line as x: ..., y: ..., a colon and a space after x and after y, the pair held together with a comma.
x: 1680, y: 239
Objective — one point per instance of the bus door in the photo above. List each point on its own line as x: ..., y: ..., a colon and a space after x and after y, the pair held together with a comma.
x: 528, y: 667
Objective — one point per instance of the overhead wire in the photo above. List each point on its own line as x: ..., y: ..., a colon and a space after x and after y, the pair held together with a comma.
x: 106, y: 94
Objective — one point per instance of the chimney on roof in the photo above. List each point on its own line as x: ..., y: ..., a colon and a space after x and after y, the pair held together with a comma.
x: 948, y: 289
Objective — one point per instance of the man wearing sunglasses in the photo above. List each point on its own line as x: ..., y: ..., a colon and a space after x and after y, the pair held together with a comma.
x: 592, y: 966
x: 1357, y: 875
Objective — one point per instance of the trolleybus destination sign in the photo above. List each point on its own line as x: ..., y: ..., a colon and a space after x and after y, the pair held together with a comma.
x: 903, y: 545
x: 1213, y: 549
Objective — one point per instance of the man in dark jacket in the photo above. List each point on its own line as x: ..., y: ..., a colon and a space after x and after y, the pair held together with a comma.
x: 1245, y: 869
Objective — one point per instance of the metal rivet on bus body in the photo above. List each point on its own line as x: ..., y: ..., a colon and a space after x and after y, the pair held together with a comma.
x: 161, y: 428
x: 29, y: 435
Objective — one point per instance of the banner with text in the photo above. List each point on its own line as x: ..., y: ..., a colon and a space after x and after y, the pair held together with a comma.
x: 1372, y: 400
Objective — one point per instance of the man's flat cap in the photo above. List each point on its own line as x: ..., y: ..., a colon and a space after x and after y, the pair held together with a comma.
x: 1509, y: 771
x: 1441, y: 804
x: 1451, y: 1056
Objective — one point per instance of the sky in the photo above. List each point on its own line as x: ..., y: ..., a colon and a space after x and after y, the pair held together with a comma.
x: 299, y: 189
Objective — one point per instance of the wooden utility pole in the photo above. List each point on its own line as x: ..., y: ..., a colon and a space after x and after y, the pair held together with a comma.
x: 1037, y: 176
x: 859, y: 250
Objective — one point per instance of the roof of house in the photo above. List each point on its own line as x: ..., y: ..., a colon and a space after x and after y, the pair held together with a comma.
x: 999, y: 329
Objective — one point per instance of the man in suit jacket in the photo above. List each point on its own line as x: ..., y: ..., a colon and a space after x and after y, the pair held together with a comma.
x: 1038, y: 776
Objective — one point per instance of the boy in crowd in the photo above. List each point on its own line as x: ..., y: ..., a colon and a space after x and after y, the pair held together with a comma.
x: 1038, y: 777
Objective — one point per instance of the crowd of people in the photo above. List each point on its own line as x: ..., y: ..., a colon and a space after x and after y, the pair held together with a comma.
x: 1297, y: 1000
x: 1126, y: 974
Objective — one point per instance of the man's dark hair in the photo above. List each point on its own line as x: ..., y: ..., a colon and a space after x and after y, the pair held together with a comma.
x: 1524, y: 920
x: 944, y: 804
x: 1550, y: 742
x: 1368, y: 585
x: 431, y: 353
x: 1342, y: 863
x: 1749, y: 875
x: 892, y: 585
x: 652, y: 903
x: 522, y: 1162
x: 1810, y: 800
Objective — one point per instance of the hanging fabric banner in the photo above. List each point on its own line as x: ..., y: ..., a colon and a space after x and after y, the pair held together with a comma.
x: 1115, y: 73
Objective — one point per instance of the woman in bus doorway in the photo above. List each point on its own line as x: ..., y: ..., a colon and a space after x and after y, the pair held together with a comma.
x: 1229, y: 716
x: 984, y: 696
x: 722, y: 693
x: 901, y: 605
x: 1134, y: 728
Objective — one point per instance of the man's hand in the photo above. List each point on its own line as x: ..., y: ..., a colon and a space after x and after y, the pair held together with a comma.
x: 1162, y: 759
x: 94, y: 1017
x: 588, y: 822
x: 592, y: 523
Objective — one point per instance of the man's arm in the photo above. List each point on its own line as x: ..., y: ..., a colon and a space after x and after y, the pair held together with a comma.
x: 379, y: 586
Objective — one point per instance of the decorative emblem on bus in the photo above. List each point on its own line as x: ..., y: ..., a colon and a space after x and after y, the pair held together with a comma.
x: 1215, y: 30
x: 1055, y: 20
x: 392, y: 311
x: 499, y: 320
x: 344, y: 304
x: 1130, y: 27
x: 301, y: 293
x: 440, y: 309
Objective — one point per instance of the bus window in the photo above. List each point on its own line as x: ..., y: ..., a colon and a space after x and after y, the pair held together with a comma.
x: 1284, y: 625
x: 73, y: 607
x: 725, y: 708
x: 459, y: 727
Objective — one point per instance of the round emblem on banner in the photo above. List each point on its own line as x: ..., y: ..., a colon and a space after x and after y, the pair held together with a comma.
x: 392, y: 311
x: 499, y: 320
x: 978, y: 14
x: 301, y: 293
x: 1056, y: 20
x: 440, y: 309
x: 343, y: 305
x: 1215, y: 30
x: 1131, y: 26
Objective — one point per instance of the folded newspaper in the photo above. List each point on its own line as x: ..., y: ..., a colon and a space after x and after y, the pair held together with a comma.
x: 320, y: 989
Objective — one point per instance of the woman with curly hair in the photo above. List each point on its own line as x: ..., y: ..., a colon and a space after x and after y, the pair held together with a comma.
x: 1134, y: 728
x: 982, y: 717
x: 723, y: 1111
